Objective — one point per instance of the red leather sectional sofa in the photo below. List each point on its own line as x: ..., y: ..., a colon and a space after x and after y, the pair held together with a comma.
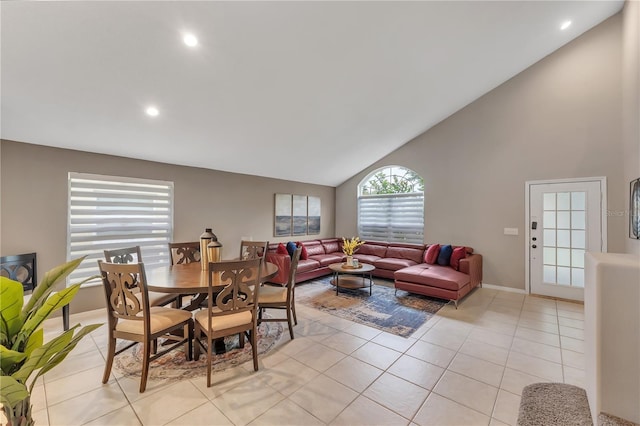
x: 403, y: 263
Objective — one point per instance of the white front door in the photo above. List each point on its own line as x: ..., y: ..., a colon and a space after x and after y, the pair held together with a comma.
x: 565, y: 220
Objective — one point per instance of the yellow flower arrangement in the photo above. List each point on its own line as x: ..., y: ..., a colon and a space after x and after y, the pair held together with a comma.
x: 350, y: 246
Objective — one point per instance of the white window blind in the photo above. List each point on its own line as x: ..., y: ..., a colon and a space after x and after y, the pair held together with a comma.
x: 107, y: 212
x: 391, y: 217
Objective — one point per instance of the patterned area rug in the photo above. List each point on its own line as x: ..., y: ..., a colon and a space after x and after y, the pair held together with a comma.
x: 174, y: 366
x: 401, y: 315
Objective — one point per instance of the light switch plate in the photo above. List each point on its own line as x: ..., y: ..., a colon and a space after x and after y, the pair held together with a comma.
x: 510, y: 231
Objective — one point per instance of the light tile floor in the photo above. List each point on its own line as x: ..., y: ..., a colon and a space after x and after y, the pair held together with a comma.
x: 463, y: 367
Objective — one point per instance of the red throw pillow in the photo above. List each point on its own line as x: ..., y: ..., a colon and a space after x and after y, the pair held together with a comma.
x: 303, y: 254
x: 458, y: 254
x: 282, y: 249
x: 431, y: 255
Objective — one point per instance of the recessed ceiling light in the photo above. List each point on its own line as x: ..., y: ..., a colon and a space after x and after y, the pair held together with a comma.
x: 152, y: 111
x: 190, y: 40
x: 565, y: 25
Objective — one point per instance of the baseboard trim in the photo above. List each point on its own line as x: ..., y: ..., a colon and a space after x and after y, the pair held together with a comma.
x: 503, y: 288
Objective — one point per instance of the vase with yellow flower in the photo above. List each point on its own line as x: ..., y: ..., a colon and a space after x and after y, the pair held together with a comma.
x: 349, y: 247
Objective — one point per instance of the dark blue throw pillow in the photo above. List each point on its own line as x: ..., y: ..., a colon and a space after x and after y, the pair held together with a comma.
x: 445, y: 255
x: 291, y: 247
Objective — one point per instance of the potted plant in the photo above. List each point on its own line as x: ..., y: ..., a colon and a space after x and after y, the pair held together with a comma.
x: 349, y: 247
x: 23, y: 353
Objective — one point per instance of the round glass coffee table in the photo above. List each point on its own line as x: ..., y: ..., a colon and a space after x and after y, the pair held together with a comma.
x: 364, y: 269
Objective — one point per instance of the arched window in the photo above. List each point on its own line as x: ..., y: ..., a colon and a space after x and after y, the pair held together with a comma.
x: 391, y: 206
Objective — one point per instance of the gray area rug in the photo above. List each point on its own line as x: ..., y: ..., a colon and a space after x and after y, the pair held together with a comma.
x: 554, y: 404
x: 400, y: 314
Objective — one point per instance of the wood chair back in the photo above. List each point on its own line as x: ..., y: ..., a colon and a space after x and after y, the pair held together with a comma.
x: 253, y: 249
x: 180, y: 253
x: 124, y: 255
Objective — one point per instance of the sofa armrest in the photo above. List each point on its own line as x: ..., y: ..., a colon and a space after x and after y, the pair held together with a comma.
x: 472, y: 265
x: 283, y: 262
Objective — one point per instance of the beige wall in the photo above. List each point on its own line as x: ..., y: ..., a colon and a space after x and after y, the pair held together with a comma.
x: 34, y: 203
x: 631, y: 98
x: 560, y: 118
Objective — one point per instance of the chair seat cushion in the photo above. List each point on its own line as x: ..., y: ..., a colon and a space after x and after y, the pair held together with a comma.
x: 224, y: 321
x: 158, y: 299
x: 269, y: 294
x: 161, y: 318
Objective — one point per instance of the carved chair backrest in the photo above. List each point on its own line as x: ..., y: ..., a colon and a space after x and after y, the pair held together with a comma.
x: 121, y: 283
x: 240, y: 292
x: 124, y: 255
x: 184, y: 252
x: 253, y: 249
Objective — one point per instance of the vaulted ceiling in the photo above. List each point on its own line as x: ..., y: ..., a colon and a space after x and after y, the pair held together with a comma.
x: 305, y: 91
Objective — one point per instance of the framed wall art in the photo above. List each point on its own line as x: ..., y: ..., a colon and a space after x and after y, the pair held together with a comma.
x: 299, y: 215
x: 313, y: 210
x: 282, y: 223
x: 296, y: 215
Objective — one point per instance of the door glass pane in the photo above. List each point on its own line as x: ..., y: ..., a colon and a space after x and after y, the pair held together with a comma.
x: 549, y: 201
x: 549, y: 274
x: 564, y: 220
x: 577, y: 239
x: 564, y: 257
x: 577, y: 277
x: 577, y: 220
x: 549, y: 219
x: 564, y: 276
x: 549, y: 237
x: 564, y: 238
x: 549, y: 256
x: 577, y: 200
x: 577, y: 258
x: 563, y: 201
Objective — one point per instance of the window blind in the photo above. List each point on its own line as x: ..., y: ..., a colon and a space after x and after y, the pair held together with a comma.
x: 107, y: 212
x: 392, y: 217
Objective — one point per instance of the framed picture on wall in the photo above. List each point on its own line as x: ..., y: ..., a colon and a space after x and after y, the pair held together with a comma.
x: 634, y: 210
x: 299, y: 215
x: 282, y: 223
x: 313, y: 209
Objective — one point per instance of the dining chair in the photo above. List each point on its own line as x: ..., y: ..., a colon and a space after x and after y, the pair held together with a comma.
x: 253, y: 249
x: 231, y: 307
x: 21, y: 268
x: 132, y: 318
x: 184, y: 252
x: 281, y: 297
x: 134, y: 255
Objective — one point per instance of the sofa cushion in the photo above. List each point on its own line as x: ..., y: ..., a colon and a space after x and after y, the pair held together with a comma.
x: 314, y: 248
x: 281, y: 249
x: 458, y: 254
x: 431, y: 254
x: 393, y: 264
x: 434, y: 276
x: 291, y: 247
x: 366, y: 258
x: 373, y: 249
x: 307, y: 265
x: 411, y: 253
x: 303, y: 253
x: 327, y: 259
x: 331, y: 247
x: 445, y: 255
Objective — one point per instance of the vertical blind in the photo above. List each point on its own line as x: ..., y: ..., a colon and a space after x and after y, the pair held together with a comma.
x: 392, y: 217
x: 107, y: 212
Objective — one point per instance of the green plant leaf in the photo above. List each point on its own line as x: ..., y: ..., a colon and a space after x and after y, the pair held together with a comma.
x: 55, y: 301
x: 11, y: 299
x: 50, y: 279
x: 35, y: 341
x: 9, y: 360
x: 11, y: 391
x: 40, y: 356
x: 60, y: 356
